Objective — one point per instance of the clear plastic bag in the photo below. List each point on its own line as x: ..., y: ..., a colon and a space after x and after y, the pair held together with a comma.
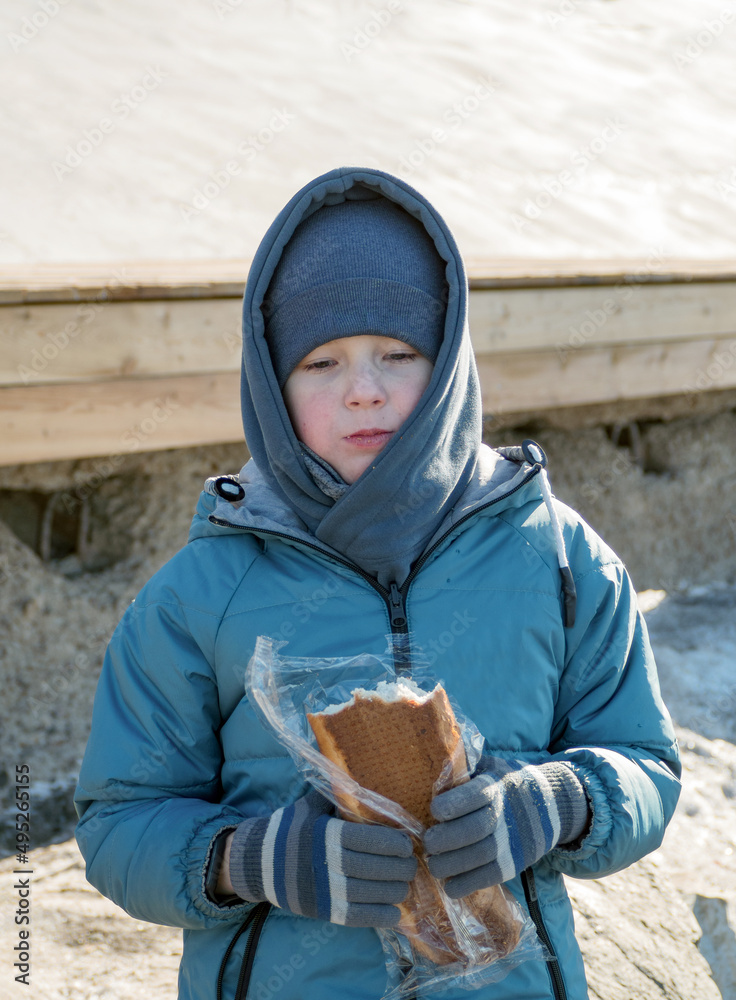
x: 440, y: 942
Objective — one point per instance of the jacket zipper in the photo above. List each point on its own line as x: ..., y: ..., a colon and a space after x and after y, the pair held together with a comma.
x: 246, y: 968
x: 394, y: 597
x: 536, y: 469
x: 535, y: 912
x: 395, y: 600
x: 256, y: 918
x: 397, y: 610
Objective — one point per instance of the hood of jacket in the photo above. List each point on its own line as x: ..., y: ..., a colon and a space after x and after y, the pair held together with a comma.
x: 429, y: 463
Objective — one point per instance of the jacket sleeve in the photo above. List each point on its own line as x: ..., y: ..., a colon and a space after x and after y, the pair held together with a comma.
x: 149, y: 787
x: 610, y: 722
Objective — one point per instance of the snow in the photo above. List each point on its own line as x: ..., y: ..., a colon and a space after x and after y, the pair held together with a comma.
x: 694, y: 638
x: 555, y: 128
x: 694, y: 634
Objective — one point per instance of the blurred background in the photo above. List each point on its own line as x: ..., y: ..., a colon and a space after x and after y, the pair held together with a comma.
x: 584, y: 154
x: 568, y: 128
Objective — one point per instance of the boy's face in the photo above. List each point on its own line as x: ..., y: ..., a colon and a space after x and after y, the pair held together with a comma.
x: 349, y: 397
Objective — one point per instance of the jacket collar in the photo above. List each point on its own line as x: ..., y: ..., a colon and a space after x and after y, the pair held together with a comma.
x: 496, y: 481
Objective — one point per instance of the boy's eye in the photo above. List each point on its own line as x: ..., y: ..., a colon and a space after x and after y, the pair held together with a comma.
x: 401, y: 355
x: 318, y: 365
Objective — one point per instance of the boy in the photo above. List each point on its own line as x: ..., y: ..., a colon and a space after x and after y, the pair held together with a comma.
x: 370, y: 505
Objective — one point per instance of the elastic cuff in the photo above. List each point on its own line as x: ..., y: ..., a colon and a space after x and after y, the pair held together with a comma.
x: 565, y: 857
x: 195, y: 860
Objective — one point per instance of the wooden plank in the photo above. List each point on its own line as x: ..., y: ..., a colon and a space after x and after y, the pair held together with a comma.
x: 567, y: 318
x: 545, y: 380
x: 59, y: 342
x: 655, y: 269
x: 122, y: 280
x: 51, y: 422
x: 161, y: 279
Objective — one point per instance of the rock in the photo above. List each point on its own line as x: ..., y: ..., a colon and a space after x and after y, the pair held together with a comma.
x: 638, y: 938
x: 718, y: 943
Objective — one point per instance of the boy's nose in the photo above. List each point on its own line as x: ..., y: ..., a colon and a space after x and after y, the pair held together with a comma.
x: 365, y: 389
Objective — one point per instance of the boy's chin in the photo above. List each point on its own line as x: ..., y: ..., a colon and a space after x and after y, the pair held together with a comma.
x: 351, y: 467
x: 352, y: 471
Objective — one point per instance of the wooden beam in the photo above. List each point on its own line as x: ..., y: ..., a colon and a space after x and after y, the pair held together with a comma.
x: 655, y: 269
x: 157, y: 279
x: 544, y: 380
x: 51, y: 422
x: 91, y: 367
x: 60, y: 342
x: 122, y: 280
x: 564, y: 319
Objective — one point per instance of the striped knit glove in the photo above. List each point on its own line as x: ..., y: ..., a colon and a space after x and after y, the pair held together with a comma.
x: 305, y: 860
x: 502, y: 821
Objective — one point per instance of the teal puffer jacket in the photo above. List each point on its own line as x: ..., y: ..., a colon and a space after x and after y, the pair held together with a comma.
x: 177, y: 754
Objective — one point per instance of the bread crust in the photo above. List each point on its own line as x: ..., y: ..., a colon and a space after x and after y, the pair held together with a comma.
x: 409, y: 749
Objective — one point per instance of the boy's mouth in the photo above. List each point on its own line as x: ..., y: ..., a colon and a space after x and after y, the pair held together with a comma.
x: 370, y: 438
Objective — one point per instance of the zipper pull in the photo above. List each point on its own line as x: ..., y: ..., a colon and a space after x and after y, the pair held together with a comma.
x: 396, y: 607
x: 531, y: 884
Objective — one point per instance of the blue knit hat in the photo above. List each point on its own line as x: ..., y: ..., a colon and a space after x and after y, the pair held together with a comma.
x: 357, y: 267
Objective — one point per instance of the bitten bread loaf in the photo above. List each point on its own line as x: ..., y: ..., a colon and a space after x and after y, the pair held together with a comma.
x: 397, y: 741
